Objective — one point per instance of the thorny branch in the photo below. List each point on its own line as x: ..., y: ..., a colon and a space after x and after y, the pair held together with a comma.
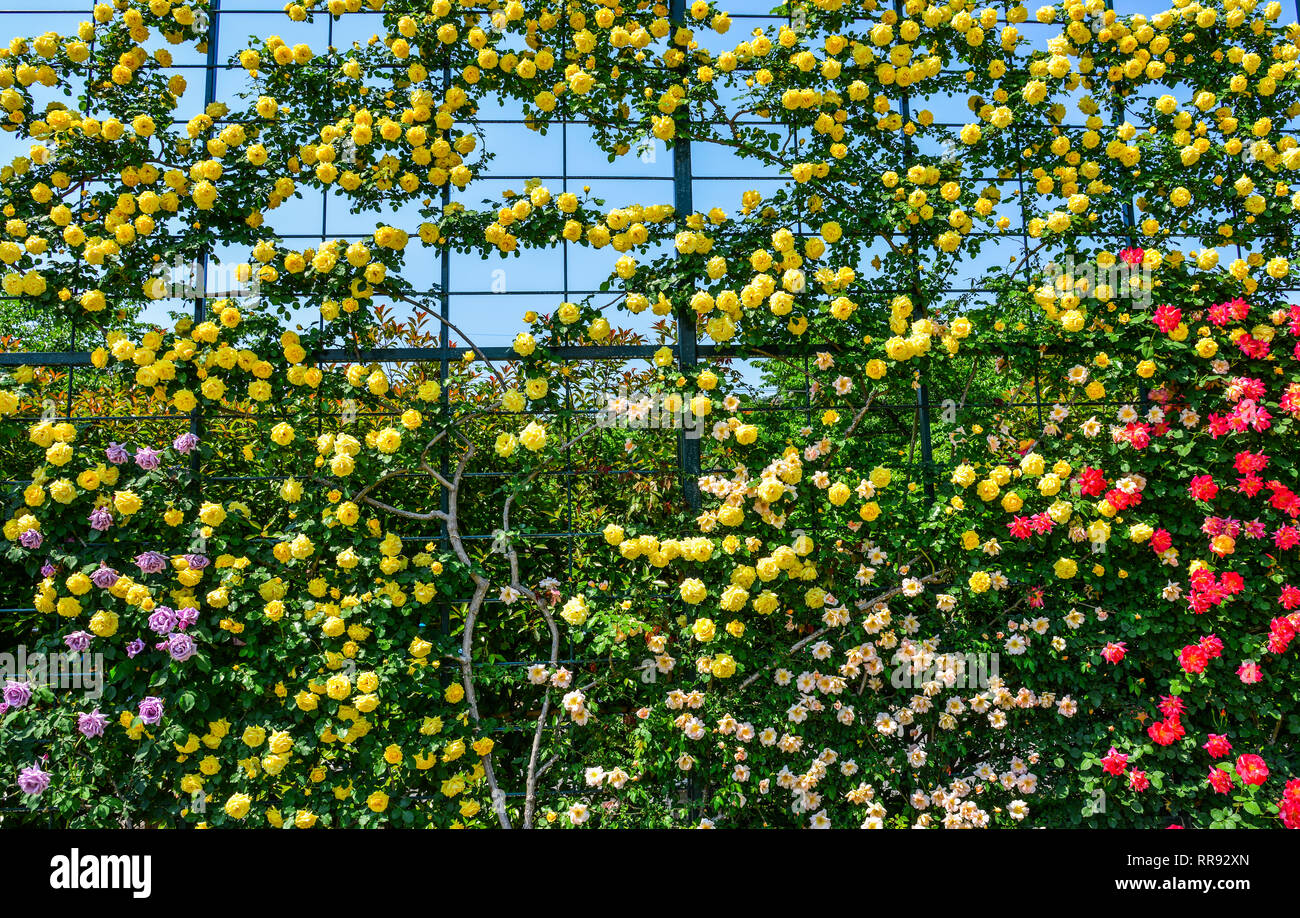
x: 482, y: 585
x: 808, y: 639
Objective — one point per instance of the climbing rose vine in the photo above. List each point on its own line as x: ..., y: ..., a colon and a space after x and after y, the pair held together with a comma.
x: 1023, y: 555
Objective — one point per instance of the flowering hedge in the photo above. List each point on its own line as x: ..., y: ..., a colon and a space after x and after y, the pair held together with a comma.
x: 307, y: 582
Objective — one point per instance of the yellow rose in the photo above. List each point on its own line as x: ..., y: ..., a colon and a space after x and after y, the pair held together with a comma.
x: 533, y: 437
x: 692, y: 591
x: 724, y: 666
x: 282, y: 434
x: 348, y: 513
x: 419, y: 648
x: 126, y: 502
x: 212, y: 514
x: 1032, y: 465
x: 575, y: 611
x: 237, y: 806
x: 104, y: 623
x: 338, y: 687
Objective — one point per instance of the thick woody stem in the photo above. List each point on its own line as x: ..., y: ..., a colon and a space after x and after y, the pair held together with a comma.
x: 482, y: 585
x: 530, y: 787
x: 534, y: 773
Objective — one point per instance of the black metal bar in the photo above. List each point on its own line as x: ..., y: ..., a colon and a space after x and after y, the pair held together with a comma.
x: 444, y: 369
x: 922, y: 391
x: 687, y: 333
x: 1130, y: 215
x: 201, y: 302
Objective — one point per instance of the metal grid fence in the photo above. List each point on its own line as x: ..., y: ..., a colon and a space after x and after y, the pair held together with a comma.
x: 456, y: 283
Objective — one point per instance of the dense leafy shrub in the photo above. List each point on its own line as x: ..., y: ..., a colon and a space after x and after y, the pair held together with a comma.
x: 1026, y: 556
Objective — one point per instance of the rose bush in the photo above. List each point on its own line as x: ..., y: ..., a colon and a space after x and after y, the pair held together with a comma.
x: 1023, y: 556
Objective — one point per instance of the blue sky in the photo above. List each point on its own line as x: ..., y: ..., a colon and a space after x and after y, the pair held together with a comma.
x: 534, y: 281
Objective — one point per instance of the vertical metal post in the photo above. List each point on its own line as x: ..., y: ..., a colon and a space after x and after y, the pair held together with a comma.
x: 444, y: 296
x: 81, y: 190
x: 324, y: 225
x: 688, y: 449
x: 1018, y: 135
x: 571, y: 650
x: 922, y: 391
x: 1130, y: 215
x: 201, y: 299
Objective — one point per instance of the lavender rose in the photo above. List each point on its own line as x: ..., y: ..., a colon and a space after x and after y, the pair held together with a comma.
x: 151, y: 710
x: 117, y: 454
x: 92, y: 724
x: 181, y: 646
x: 151, y: 562
x: 162, y: 621
x: 17, y: 694
x: 78, y: 641
x: 184, y: 443
x: 33, y: 781
x: 147, y: 458
x: 105, y: 577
